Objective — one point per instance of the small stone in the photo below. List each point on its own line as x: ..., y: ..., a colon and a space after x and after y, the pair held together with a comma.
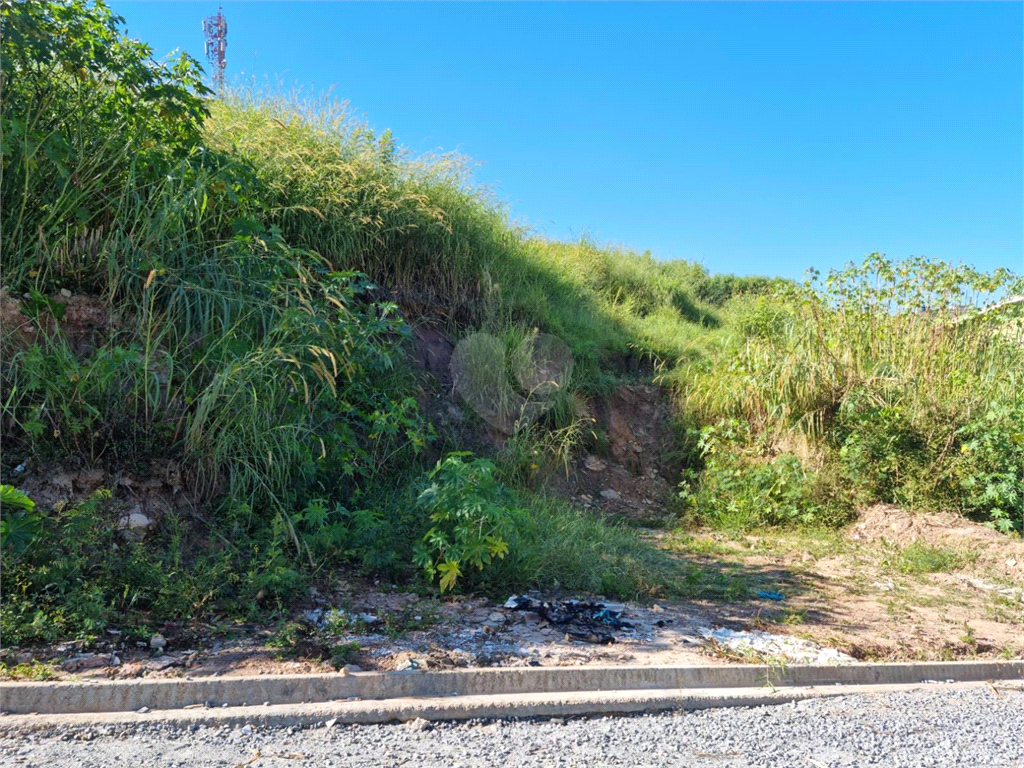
x: 609, y: 494
x: 23, y: 658
x: 351, y: 669
x: 142, y: 710
x: 157, y: 642
x: 65, y: 293
x: 595, y: 464
x: 84, y: 661
x: 247, y: 730
x: 134, y: 521
x: 419, y: 724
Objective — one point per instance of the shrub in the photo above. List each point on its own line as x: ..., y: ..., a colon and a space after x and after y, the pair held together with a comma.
x: 985, y: 471
x: 744, y: 484
x: 471, y: 514
x: 716, y: 290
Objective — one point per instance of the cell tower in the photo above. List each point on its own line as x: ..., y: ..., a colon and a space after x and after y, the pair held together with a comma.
x: 215, y: 28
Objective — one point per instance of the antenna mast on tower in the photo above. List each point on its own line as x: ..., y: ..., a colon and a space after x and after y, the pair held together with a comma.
x: 215, y: 28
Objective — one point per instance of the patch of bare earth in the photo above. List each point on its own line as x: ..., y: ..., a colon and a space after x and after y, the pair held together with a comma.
x: 853, y: 592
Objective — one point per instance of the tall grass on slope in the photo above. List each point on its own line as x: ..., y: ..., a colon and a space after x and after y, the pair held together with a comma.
x: 892, y: 370
x: 334, y: 187
x: 220, y: 344
x: 419, y: 227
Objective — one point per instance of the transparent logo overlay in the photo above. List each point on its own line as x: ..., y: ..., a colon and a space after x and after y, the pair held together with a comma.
x: 511, y: 388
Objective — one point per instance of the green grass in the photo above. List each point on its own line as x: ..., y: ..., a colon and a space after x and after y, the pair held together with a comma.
x: 919, y: 558
x: 418, y: 226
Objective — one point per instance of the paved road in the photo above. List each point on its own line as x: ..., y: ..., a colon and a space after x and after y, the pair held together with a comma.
x: 976, y: 727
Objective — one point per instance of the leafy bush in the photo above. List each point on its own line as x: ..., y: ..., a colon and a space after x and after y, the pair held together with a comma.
x: 743, y: 484
x: 471, y: 514
x: 84, y: 108
x: 20, y: 524
x: 985, y: 473
x: 716, y: 290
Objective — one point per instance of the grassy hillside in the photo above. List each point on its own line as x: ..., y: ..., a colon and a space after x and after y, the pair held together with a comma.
x: 222, y: 289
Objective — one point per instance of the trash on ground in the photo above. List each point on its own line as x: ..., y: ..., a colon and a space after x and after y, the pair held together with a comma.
x: 758, y: 643
x: 770, y: 595
x: 587, y: 621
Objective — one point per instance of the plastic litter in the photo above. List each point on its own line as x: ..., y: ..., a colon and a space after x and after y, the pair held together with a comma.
x: 586, y: 621
x: 770, y: 594
x: 791, y: 649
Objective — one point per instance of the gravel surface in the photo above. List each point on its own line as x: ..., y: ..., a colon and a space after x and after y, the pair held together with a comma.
x: 977, y: 727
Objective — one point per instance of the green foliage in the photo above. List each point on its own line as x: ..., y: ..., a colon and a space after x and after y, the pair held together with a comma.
x: 344, y: 653
x: 20, y: 524
x: 554, y: 545
x: 471, y: 515
x: 744, y: 485
x: 918, y: 557
x: 418, y: 226
x: 716, y: 290
x: 219, y: 345
x: 84, y: 107
x: 888, y: 370
x: 33, y: 670
x: 228, y: 247
x: 985, y: 474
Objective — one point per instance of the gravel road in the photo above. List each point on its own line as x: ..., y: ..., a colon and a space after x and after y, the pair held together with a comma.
x: 976, y: 727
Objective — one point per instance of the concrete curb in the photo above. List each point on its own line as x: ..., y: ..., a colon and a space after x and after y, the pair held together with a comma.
x: 130, y: 695
x: 458, y: 708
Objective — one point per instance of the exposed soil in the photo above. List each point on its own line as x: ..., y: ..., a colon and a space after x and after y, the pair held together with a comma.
x: 152, y: 493
x: 996, y: 553
x: 86, y: 321
x: 855, y: 593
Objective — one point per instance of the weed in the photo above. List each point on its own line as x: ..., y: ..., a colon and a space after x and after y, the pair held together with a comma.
x: 344, y: 654
x: 233, y: 251
x: 34, y: 670
x: 398, y: 624
x: 968, y: 637
x: 918, y: 557
x: 471, y: 513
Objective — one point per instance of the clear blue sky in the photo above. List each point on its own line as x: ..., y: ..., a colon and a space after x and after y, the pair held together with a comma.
x: 754, y: 138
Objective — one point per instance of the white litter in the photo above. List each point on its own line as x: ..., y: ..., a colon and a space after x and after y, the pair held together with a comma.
x: 784, y: 647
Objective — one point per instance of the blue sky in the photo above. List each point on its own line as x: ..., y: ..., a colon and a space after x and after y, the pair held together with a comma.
x: 754, y: 138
